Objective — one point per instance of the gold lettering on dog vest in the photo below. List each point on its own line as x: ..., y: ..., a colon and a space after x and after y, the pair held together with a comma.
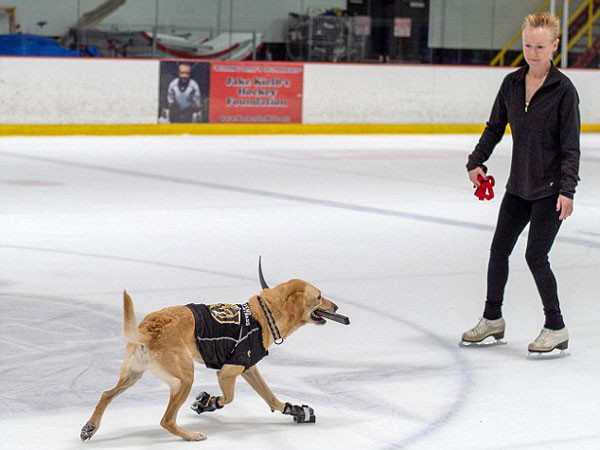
x: 225, y: 313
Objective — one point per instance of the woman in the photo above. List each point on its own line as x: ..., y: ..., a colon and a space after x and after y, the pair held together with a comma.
x: 542, y: 107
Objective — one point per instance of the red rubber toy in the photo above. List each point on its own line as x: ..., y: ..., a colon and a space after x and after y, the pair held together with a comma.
x: 485, y: 190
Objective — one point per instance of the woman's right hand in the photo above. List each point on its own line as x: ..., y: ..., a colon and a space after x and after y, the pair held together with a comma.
x: 473, y: 175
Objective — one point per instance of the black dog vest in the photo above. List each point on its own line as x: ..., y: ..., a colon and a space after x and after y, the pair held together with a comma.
x: 227, y: 334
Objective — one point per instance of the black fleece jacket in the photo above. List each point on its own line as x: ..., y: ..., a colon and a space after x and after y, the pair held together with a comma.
x: 545, y: 155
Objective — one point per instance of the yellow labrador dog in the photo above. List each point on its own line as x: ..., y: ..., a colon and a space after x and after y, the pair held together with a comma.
x: 230, y: 338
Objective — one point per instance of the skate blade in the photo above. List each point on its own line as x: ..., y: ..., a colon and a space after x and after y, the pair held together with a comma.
x: 489, y: 341
x: 553, y: 354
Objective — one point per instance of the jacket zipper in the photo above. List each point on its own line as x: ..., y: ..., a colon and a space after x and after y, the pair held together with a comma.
x: 543, y: 86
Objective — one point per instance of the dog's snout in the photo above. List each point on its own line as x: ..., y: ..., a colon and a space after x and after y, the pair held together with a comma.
x: 335, y: 307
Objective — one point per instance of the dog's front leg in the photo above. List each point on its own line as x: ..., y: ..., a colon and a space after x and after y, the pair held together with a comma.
x: 301, y: 414
x: 226, y: 377
x: 255, y: 379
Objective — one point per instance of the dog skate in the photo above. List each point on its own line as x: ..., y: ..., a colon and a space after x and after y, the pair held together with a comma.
x: 485, y: 333
x: 550, y: 344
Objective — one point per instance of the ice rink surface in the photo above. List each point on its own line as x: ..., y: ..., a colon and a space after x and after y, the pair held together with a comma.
x: 386, y: 226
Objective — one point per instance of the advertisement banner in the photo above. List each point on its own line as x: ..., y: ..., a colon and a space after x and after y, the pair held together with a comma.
x: 255, y: 92
x: 183, y: 92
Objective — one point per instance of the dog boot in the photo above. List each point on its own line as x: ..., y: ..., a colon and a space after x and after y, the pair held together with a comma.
x: 479, y: 334
x: 301, y: 414
x: 549, y: 340
x: 88, y: 431
x: 205, y: 403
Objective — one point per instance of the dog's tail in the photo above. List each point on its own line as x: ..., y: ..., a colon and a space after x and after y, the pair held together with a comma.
x: 130, y: 330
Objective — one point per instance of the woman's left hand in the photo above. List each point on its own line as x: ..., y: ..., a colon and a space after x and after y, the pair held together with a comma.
x: 565, y: 206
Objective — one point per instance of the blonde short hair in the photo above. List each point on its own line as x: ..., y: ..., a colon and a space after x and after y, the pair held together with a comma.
x: 544, y: 20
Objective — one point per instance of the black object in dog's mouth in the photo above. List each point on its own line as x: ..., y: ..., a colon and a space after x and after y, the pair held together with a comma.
x: 319, y: 316
x: 315, y: 317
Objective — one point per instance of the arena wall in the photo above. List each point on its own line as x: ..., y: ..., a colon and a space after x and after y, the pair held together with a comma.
x: 110, y: 92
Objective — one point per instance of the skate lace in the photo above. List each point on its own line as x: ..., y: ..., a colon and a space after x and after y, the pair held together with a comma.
x: 544, y: 335
x: 479, y: 327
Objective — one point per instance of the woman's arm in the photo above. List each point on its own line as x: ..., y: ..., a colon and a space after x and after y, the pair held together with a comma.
x: 570, y: 127
x: 493, y: 133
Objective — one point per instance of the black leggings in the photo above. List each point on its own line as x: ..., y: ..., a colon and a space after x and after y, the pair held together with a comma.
x: 515, y: 214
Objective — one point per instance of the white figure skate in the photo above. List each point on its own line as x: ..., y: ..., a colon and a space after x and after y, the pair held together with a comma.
x: 485, y: 333
x: 550, y: 344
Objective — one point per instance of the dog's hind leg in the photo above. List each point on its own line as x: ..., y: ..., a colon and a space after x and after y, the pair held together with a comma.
x: 133, y: 367
x: 176, y: 367
x: 255, y: 379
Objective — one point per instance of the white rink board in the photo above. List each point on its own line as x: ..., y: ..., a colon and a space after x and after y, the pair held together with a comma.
x: 399, y: 94
x: 78, y: 91
x: 373, y: 94
x: 587, y: 83
x: 118, y: 91
x: 367, y: 94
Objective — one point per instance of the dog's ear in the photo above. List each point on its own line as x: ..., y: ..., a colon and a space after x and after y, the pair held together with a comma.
x: 305, y: 298
x: 299, y: 292
x: 296, y: 297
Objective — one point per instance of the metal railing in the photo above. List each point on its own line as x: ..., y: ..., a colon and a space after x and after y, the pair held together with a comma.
x: 587, y: 7
x: 499, y: 58
x: 586, y: 28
